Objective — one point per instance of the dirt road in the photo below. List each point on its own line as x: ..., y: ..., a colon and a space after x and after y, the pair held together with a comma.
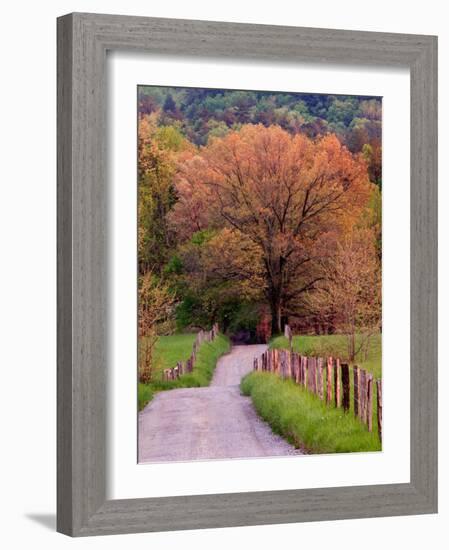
x: 212, y: 422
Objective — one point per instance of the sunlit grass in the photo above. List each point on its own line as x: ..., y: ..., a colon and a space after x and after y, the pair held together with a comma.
x: 171, y: 349
x: 335, y: 345
x: 304, y: 420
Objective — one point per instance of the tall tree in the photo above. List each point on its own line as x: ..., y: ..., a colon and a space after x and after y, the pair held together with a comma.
x: 155, y: 305
x: 285, y: 193
x: 350, y: 292
x: 158, y: 149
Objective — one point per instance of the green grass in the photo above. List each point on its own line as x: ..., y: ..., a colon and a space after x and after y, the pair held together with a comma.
x: 169, y: 350
x: 335, y: 345
x: 304, y: 420
x: 145, y: 395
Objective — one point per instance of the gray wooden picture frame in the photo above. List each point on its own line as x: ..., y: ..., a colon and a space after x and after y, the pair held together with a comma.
x: 83, y: 40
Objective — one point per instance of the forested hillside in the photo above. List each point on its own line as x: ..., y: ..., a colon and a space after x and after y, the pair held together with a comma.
x: 256, y: 208
x: 200, y: 113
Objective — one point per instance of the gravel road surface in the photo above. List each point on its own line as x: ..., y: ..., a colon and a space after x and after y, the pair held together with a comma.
x: 213, y: 422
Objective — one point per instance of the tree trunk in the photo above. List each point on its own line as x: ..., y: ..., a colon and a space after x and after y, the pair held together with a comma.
x: 352, y: 346
x: 276, y: 324
x: 275, y: 292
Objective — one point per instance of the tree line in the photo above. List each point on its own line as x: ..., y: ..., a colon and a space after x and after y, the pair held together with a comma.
x: 263, y: 221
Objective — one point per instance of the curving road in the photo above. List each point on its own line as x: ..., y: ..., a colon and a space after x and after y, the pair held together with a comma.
x: 212, y: 422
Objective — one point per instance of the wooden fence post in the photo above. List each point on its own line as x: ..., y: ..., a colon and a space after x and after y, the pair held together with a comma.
x: 290, y: 364
x: 311, y: 376
x: 362, y: 394
x: 329, y: 380
x: 379, y: 408
x: 346, y: 386
x: 337, y: 389
x: 320, y: 362
x: 182, y: 368
x: 356, y: 390
x: 310, y: 373
x: 305, y: 371
x: 296, y: 362
x: 369, y: 402
x: 288, y: 334
x: 285, y: 366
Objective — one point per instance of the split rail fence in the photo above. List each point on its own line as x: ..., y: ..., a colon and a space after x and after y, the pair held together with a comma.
x: 328, y: 378
x: 188, y: 366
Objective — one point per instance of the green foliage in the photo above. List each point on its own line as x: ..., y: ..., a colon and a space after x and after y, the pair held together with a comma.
x: 304, y: 420
x: 343, y: 110
x: 201, y: 114
x: 210, y: 283
x: 217, y: 128
x: 231, y: 313
x: 156, y: 197
x: 171, y: 349
x: 240, y: 316
x: 190, y: 311
x: 173, y: 266
x: 145, y: 394
x: 201, y: 237
x: 170, y: 138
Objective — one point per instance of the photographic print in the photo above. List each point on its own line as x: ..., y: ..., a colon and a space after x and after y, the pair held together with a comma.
x: 259, y: 273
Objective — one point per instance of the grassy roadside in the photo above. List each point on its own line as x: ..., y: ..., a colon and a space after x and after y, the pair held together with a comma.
x: 335, y: 346
x: 169, y: 350
x: 304, y: 420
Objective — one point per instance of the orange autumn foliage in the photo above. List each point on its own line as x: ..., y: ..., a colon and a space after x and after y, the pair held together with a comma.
x: 288, y: 194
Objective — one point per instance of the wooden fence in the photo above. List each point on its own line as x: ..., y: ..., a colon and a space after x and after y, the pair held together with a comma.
x: 188, y: 366
x: 328, y: 378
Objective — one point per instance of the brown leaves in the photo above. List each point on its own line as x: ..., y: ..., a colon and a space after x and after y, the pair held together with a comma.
x: 232, y: 256
x: 349, y: 294
x: 265, y: 182
x: 228, y: 261
x: 287, y: 195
